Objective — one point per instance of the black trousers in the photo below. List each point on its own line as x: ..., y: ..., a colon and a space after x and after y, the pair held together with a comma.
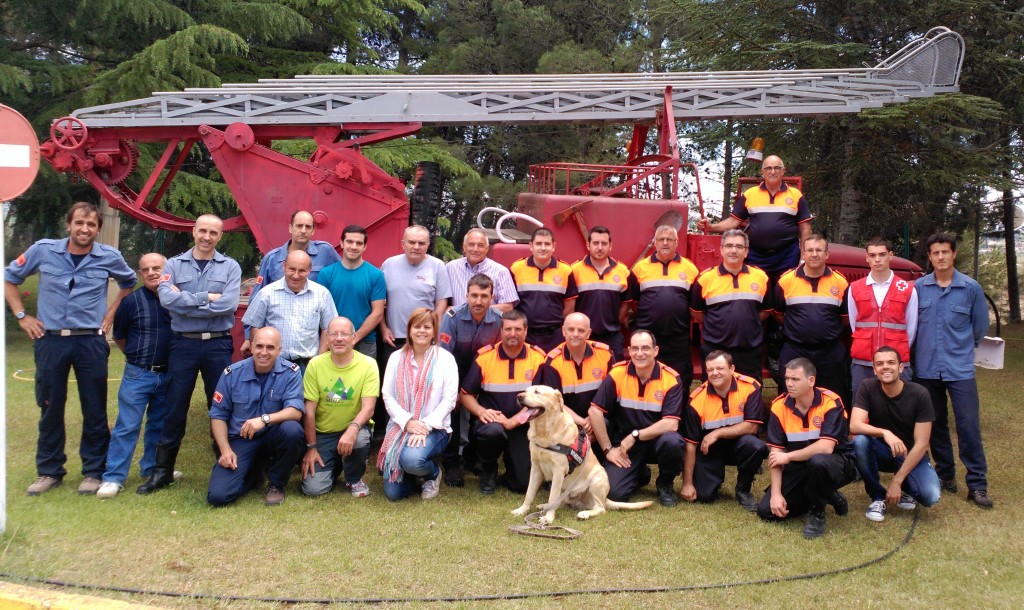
x: 745, y: 452
x: 666, y: 451
x: 493, y: 441
x: 807, y: 486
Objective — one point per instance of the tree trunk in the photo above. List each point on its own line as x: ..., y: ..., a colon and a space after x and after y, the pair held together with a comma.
x: 849, y: 196
x: 1012, y: 285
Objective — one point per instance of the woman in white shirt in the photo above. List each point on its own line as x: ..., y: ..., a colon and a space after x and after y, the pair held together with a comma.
x: 421, y: 384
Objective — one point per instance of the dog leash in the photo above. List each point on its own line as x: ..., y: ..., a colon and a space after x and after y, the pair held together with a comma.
x: 534, y: 527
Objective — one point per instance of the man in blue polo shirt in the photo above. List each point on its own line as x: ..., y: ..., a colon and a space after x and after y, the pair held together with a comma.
x: 69, y: 332
x: 301, y: 228
x: 358, y: 289
x: 200, y: 289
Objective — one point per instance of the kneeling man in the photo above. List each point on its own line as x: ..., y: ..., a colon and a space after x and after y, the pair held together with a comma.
x: 893, y: 420
x: 256, y: 411
x: 723, y: 419
x: 643, y: 400
x: 810, y: 456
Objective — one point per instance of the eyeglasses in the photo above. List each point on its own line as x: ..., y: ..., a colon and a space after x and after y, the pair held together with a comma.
x: 733, y: 247
x: 341, y: 335
x: 641, y: 349
x: 773, y: 168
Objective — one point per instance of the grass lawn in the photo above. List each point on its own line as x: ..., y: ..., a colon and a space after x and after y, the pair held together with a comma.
x: 459, y: 544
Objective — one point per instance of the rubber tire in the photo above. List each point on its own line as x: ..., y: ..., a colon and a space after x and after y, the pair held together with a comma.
x: 426, y: 198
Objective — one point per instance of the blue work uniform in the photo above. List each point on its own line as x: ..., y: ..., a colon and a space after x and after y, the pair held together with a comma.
x: 463, y: 337
x: 241, y: 395
x: 320, y: 253
x: 951, y: 322
x: 201, y: 339
x: 71, y: 304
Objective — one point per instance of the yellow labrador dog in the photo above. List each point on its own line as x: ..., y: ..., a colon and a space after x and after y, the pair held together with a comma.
x: 555, y: 444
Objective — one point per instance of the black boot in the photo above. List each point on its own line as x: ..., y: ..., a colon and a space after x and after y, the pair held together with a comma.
x: 744, y: 481
x: 163, y: 471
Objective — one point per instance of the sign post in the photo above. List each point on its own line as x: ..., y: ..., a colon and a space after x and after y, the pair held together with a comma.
x: 19, y: 164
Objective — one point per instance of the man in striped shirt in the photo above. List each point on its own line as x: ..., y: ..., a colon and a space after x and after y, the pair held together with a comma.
x: 299, y: 309
x: 475, y: 248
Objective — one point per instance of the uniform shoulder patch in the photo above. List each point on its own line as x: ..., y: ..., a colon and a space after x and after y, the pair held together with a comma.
x: 165, y: 277
x: 485, y: 349
x: 293, y: 366
x: 227, y: 371
x: 218, y: 397
x: 450, y: 313
x: 619, y: 365
x: 669, y: 370
x: 537, y: 349
x: 21, y: 260
x: 600, y: 345
x: 702, y: 387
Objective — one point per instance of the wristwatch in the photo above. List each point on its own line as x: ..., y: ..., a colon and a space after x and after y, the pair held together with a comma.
x: 636, y: 436
x: 20, y: 315
x: 310, y: 446
x: 266, y: 419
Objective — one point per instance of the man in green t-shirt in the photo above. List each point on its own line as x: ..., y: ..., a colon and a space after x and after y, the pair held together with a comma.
x: 341, y: 389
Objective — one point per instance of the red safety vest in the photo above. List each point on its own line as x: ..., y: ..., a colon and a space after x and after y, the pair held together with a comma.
x: 877, y: 326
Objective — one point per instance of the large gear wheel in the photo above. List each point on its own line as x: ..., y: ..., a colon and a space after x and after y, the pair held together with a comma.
x: 118, y: 166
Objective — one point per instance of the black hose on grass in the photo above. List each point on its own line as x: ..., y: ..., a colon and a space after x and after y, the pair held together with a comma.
x: 473, y: 598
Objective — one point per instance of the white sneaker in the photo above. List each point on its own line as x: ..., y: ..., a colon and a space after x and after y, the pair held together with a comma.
x: 109, y: 489
x: 876, y: 512
x: 431, y: 488
x: 907, y: 502
x: 359, y: 489
x: 177, y: 475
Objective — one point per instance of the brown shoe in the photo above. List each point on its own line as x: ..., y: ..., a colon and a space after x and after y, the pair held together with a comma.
x: 274, y: 495
x: 43, y: 484
x: 89, y: 486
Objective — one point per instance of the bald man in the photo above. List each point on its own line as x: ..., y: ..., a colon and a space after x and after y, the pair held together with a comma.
x: 200, y: 289
x: 779, y: 220
x: 256, y: 411
x: 298, y: 308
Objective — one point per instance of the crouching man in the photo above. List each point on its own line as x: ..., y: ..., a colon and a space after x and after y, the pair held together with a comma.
x: 256, y: 411
x: 722, y: 421
x: 810, y: 455
x: 893, y: 420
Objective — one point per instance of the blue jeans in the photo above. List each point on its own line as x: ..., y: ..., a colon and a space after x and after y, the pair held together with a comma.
x: 55, y: 357
x: 283, y: 442
x: 353, y: 467
x: 417, y: 462
x: 139, y: 388
x: 964, y: 395
x: 874, y: 455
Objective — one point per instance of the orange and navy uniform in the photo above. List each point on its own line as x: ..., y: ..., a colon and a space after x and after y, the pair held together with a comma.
x: 543, y: 291
x: 731, y: 305
x: 773, y: 218
x: 601, y: 294
x: 815, y: 308
x: 790, y: 430
x: 708, y: 410
x: 496, y: 380
x: 876, y: 325
x: 632, y: 405
x: 578, y: 383
x: 662, y: 294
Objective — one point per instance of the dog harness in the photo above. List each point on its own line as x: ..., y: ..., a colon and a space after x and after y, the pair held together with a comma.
x: 575, y: 453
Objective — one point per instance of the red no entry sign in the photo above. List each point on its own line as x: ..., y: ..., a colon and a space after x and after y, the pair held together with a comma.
x: 19, y: 154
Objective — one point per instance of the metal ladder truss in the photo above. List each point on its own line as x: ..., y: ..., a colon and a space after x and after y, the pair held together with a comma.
x: 926, y: 66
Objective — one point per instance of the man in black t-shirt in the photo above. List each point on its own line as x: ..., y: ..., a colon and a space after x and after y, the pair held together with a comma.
x: 896, y: 439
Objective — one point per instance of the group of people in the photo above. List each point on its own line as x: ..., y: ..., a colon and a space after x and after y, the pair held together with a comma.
x: 473, y: 334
